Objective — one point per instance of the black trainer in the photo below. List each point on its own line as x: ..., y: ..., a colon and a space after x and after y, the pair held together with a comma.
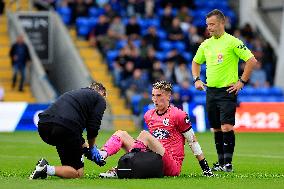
x: 40, y: 170
x: 42, y: 162
x: 227, y: 168
x: 217, y: 167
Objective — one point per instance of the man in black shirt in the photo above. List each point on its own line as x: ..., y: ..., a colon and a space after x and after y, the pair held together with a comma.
x: 62, y: 125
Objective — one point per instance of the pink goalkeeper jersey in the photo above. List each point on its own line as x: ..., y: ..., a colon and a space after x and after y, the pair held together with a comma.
x: 168, y: 129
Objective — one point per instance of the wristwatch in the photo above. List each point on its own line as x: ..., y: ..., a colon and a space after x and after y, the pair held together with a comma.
x: 244, y: 82
x: 196, y: 79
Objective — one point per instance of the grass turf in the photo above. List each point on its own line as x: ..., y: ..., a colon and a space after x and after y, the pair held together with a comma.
x: 258, y: 163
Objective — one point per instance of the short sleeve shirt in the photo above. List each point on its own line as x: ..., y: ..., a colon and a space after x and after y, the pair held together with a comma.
x: 222, y: 57
x: 168, y: 129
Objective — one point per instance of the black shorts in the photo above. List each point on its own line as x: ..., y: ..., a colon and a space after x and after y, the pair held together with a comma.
x: 68, y: 144
x: 221, y: 107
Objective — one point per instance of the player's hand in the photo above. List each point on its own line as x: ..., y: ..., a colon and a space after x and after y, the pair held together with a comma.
x: 199, y: 85
x: 236, y: 87
x: 96, y: 156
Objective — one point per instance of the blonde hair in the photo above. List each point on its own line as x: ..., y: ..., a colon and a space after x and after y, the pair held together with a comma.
x: 163, y: 85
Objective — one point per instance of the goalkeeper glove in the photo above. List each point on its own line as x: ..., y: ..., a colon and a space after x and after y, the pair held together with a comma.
x: 96, y: 156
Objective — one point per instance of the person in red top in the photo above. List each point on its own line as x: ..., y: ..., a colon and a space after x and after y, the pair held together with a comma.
x: 169, y: 127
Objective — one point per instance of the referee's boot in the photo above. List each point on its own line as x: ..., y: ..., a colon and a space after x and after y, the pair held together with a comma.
x: 40, y: 170
x: 227, y: 168
x: 217, y: 167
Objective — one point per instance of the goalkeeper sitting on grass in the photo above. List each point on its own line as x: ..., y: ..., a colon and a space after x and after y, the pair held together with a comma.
x: 169, y: 128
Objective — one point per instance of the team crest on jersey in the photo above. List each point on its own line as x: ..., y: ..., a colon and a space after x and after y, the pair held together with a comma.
x: 220, y: 58
x: 161, y: 134
x: 166, y: 121
x: 187, y: 120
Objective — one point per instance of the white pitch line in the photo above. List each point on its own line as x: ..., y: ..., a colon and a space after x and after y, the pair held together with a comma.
x: 254, y: 155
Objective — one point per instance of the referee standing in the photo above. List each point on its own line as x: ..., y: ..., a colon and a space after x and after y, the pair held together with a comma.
x: 62, y: 125
x: 222, y: 52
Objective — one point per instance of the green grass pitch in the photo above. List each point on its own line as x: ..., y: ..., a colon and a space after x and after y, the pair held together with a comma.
x: 258, y: 163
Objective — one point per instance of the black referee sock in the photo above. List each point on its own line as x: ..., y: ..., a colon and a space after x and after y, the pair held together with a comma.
x: 219, y: 146
x: 229, y: 146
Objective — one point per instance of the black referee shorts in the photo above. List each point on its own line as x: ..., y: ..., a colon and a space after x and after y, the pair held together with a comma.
x: 68, y: 144
x: 221, y: 107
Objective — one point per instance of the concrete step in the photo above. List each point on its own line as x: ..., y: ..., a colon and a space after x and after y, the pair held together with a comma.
x: 4, y: 51
x: 87, y: 53
x: 126, y: 125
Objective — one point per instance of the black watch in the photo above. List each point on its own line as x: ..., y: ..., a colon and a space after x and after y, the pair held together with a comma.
x: 196, y: 79
x: 244, y: 82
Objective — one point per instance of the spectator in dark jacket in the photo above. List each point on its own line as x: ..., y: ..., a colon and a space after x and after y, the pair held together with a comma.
x: 19, y: 55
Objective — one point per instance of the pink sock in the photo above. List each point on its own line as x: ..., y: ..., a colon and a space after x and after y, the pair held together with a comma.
x: 113, y: 145
x: 139, y: 144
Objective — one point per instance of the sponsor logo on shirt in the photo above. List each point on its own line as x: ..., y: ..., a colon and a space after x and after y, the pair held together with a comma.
x: 161, y: 134
x: 166, y: 121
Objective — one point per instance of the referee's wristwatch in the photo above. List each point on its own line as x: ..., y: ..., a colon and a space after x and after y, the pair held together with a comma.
x: 196, y: 79
x: 242, y: 81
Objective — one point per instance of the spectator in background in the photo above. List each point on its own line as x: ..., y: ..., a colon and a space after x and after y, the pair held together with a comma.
x: 258, y: 77
x: 182, y: 73
x: 151, y: 38
x: 176, y: 100
x: 169, y: 71
x: 175, y: 32
x: 193, y: 39
x: 135, y: 84
x: 117, y: 28
x: 99, y: 31
x: 167, y: 18
x: 186, y: 24
x: 156, y: 73
x: 133, y: 29
x: 183, y: 13
x: 149, y: 60
x: 149, y: 8
x: 175, y: 56
x: 79, y: 9
x: 119, y: 63
x: 109, y: 12
x: 19, y: 54
x: 145, y: 101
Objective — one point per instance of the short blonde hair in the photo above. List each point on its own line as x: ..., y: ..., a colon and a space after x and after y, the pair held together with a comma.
x: 163, y: 85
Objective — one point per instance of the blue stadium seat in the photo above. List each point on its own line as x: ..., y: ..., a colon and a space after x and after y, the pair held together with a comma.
x: 180, y: 46
x: 166, y: 45
x: 95, y: 12
x: 120, y: 44
x: 160, y: 55
x: 187, y: 56
x: 83, y: 26
x: 110, y: 57
x: 199, y: 99
x: 162, y: 34
x: 65, y: 14
x: 176, y: 88
x: 135, y: 99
